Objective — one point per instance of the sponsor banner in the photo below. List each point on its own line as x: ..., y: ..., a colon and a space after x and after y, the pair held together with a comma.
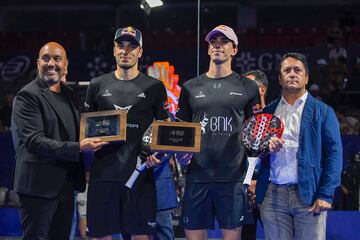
x: 84, y: 66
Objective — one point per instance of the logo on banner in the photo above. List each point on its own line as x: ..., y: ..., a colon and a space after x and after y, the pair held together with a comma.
x: 97, y: 67
x: 245, y: 61
x: 14, y: 68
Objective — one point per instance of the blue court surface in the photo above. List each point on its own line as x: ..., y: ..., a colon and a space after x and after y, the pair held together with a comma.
x: 341, y: 225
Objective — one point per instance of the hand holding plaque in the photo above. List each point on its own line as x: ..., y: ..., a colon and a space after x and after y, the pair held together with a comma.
x: 91, y: 144
x: 176, y: 137
x: 105, y: 125
x: 166, y: 138
x: 144, y: 153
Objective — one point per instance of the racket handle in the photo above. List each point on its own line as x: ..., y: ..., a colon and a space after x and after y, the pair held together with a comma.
x: 252, y: 162
x: 139, y: 169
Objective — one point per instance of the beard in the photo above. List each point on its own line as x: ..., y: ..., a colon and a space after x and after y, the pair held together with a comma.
x: 126, y: 66
x: 51, y: 81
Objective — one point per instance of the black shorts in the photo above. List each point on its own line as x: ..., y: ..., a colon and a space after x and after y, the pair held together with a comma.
x: 113, y: 208
x: 203, y: 202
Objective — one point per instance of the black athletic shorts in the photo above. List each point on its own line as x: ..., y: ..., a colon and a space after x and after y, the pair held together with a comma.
x: 203, y: 202
x: 113, y: 208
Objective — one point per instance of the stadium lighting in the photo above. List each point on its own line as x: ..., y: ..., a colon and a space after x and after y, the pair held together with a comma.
x: 151, y: 3
x: 147, y: 5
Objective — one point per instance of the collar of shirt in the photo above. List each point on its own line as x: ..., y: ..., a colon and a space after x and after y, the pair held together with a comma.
x: 291, y: 115
x: 298, y: 101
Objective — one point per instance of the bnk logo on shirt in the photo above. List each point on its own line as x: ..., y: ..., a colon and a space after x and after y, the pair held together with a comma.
x: 218, y: 125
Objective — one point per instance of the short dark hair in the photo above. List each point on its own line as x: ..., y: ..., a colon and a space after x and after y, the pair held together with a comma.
x: 260, y: 76
x: 298, y: 56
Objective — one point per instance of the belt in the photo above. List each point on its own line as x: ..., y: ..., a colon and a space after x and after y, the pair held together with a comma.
x: 287, y: 185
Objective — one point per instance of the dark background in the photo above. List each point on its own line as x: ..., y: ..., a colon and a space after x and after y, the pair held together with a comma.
x: 266, y: 30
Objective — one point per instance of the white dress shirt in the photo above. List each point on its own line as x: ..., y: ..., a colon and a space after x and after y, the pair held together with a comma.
x: 284, y: 164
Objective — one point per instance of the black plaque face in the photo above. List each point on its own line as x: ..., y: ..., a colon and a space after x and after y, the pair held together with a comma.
x: 102, y: 126
x: 176, y: 136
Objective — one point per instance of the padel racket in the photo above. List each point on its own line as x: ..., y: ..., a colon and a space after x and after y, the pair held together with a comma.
x: 255, y: 135
x: 145, y: 152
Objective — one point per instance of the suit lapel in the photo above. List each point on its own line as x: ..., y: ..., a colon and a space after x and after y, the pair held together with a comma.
x: 307, y: 115
x: 308, y: 109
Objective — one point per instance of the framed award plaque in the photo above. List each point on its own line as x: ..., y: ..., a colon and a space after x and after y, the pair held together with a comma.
x: 175, y: 136
x: 106, y: 125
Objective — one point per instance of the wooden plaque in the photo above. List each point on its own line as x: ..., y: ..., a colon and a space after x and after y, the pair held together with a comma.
x: 106, y: 125
x: 175, y: 136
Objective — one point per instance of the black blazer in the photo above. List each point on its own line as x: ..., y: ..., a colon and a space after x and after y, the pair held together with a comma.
x: 45, y: 156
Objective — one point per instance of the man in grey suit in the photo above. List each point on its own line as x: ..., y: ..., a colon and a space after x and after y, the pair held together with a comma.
x: 49, y: 166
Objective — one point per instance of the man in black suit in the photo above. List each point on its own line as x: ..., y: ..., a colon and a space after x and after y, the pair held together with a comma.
x: 49, y: 166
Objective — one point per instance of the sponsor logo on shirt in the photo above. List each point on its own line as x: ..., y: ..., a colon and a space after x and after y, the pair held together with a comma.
x: 127, y: 108
x: 185, y: 219
x: 220, y: 124
x: 142, y: 95
x: 166, y: 105
x: 132, y: 125
x: 216, y: 125
x: 106, y: 93
x: 200, y: 95
x: 217, y: 85
x: 235, y: 93
x: 203, y: 124
x: 241, y: 219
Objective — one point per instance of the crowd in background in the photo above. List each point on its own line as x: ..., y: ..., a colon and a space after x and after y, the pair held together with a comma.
x: 335, y: 80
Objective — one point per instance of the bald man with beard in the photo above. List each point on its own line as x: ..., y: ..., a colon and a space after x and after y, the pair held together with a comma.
x: 49, y: 164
